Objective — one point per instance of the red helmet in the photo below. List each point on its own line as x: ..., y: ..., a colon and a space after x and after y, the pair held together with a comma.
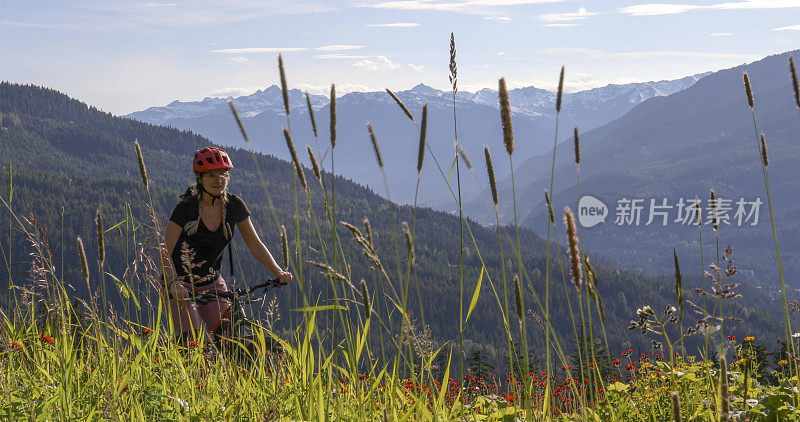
x: 210, y: 158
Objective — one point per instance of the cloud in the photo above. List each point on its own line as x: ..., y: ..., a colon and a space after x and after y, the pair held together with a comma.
x: 377, y: 63
x: 339, y: 56
x: 501, y: 53
x: 341, y: 88
x: 560, y: 51
x: 636, y: 55
x: 339, y: 47
x: 257, y: 50
x: 233, y: 91
x: 416, y: 67
x: 392, y: 25
x: 560, y: 25
x: 239, y: 59
x: 654, y: 9
x: 567, y: 17
x: 788, y: 28
x: 190, y: 13
x: 721, y: 34
x: 679, y: 54
x: 451, y: 5
x: 501, y: 19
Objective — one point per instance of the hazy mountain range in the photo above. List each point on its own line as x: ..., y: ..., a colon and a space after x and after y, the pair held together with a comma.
x: 478, y: 124
x: 676, y: 147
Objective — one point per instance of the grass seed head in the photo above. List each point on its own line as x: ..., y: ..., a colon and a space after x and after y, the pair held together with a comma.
x: 400, y: 103
x: 409, y: 242
x: 577, y: 147
x: 284, y: 89
x: 549, y: 207
x: 795, y: 84
x: 365, y: 298
x: 713, y: 203
x: 84, y: 264
x: 748, y: 90
x: 505, y: 117
x: 463, y: 155
x: 423, y: 130
x: 678, y: 283
x: 239, y: 122
x: 764, y: 156
x: 518, y: 299
x: 333, y: 115
x: 101, y: 248
x: 574, y: 252
x: 560, y: 90
x: 285, y: 247
x: 490, y: 171
x: 300, y: 173
x: 314, y: 164
x: 375, y: 147
x: 725, y: 399
x: 453, y: 67
x: 142, y: 168
x: 368, y: 230
x: 676, y: 407
x: 311, y: 114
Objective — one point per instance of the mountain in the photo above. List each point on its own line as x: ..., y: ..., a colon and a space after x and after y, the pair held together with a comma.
x: 69, y: 160
x: 676, y: 147
x: 478, y: 124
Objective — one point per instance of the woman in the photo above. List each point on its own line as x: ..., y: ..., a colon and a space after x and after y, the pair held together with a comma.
x: 200, y: 228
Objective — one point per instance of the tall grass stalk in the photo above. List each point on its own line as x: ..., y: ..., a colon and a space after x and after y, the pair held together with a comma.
x: 762, y: 152
x: 454, y: 83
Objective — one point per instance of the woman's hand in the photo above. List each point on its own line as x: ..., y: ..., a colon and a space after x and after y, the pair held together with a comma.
x: 177, y: 291
x: 284, y: 277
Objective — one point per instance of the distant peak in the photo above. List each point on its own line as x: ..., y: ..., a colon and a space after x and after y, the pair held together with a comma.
x: 423, y: 89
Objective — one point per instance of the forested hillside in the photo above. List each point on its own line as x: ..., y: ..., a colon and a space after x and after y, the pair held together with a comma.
x: 69, y: 160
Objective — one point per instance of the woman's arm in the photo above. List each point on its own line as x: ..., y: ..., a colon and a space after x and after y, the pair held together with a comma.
x: 260, y: 252
x: 171, y: 236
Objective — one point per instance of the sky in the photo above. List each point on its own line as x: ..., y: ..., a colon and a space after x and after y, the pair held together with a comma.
x: 124, y: 56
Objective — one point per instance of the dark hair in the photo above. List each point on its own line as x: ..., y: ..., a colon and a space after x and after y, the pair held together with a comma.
x: 196, y: 191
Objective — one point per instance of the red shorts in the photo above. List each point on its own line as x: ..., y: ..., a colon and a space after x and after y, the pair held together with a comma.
x: 183, y: 311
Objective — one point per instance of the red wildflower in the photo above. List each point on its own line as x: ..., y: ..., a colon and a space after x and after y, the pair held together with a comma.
x: 731, y: 338
x: 616, y: 362
x: 192, y: 343
x: 47, y: 338
x: 16, y: 345
x: 145, y: 331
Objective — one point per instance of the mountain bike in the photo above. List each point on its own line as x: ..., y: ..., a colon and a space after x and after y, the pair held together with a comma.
x: 235, y: 335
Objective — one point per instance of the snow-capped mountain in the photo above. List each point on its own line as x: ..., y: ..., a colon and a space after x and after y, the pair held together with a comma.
x: 530, y: 101
x: 478, y: 124
x: 267, y: 100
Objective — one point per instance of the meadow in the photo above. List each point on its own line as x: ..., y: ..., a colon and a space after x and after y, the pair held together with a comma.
x: 355, y: 352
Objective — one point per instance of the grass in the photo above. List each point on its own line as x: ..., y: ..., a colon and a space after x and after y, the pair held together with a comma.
x: 62, y: 358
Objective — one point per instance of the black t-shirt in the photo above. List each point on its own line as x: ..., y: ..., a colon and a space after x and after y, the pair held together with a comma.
x: 207, y: 246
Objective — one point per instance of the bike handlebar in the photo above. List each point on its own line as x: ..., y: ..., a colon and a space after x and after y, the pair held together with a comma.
x: 204, y: 298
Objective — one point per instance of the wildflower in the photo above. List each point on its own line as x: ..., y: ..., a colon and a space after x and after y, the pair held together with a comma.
x: 749, y: 338
x: 795, y: 335
x: 731, y: 338
x: 16, y: 345
x: 47, y: 338
x: 783, y: 362
x: 742, y: 361
x: 616, y: 362
x: 145, y: 331
x: 192, y: 343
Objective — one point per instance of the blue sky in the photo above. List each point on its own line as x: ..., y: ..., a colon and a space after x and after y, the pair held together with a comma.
x: 124, y: 56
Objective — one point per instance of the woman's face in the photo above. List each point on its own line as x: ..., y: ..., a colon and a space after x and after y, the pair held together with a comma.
x: 215, y: 181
